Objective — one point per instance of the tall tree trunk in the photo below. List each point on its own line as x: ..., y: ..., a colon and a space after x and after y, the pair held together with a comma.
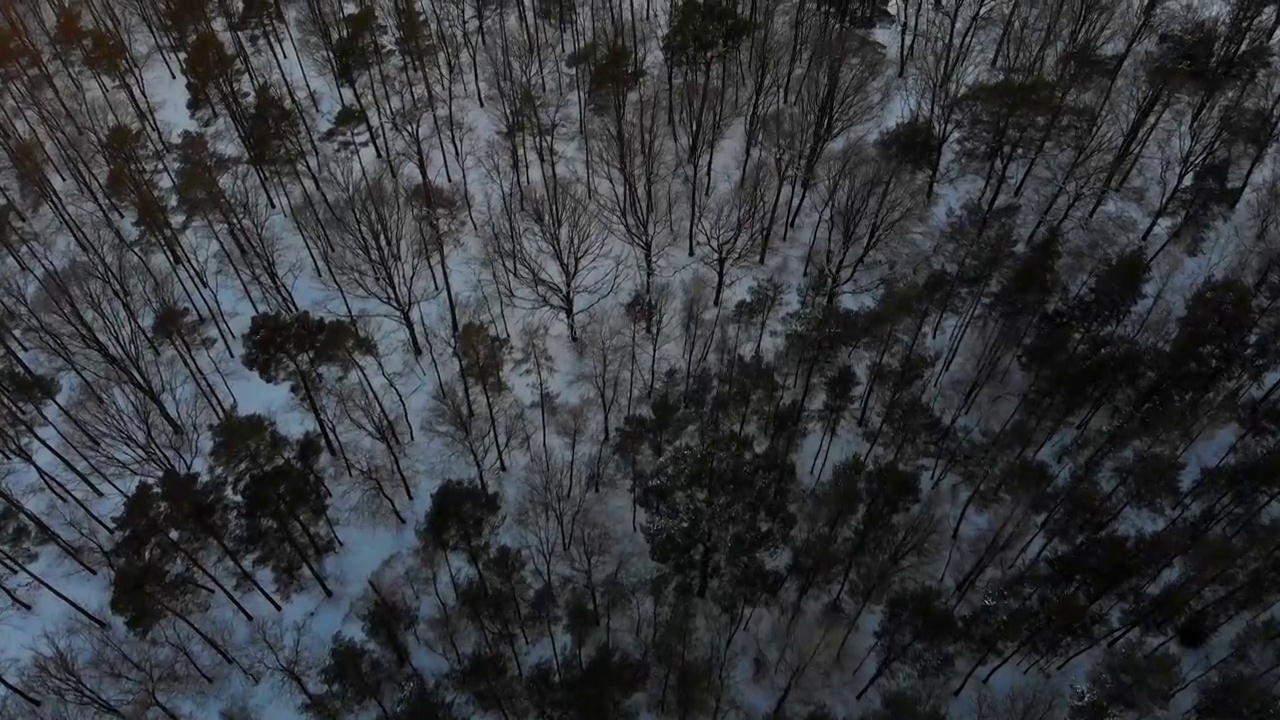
x: 57, y: 593
x: 19, y: 692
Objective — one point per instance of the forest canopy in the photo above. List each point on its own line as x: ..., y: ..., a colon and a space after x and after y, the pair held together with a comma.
x: 593, y: 360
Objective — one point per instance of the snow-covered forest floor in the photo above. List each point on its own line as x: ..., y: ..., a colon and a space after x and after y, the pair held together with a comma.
x: 429, y: 359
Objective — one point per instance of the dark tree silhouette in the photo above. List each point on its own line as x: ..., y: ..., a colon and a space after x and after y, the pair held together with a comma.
x: 718, y: 510
x: 298, y: 349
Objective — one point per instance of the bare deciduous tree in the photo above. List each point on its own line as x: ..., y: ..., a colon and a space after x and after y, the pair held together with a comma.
x: 604, y: 360
x: 103, y: 672
x: 733, y: 226
x: 842, y: 88
x: 378, y: 250
x: 282, y: 654
x: 376, y: 453
x: 559, y: 255
x: 872, y: 199
x: 944, y: 69
x: 472, y: 435
x: 129, y: 438
x: 633, y: 159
